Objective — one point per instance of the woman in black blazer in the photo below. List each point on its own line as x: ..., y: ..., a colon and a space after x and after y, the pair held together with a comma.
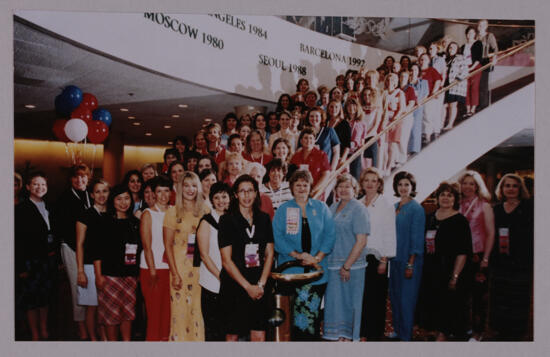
x: 35, y: 256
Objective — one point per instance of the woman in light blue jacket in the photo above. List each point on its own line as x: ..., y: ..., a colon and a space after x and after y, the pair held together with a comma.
x: 303, y: 230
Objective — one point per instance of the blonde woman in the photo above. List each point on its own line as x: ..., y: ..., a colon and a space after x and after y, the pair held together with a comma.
x: 474, y: 205
x: 180, y: 225
x: 233, y: 167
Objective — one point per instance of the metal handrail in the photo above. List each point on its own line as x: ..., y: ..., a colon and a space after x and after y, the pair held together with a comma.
x: 356, y: 154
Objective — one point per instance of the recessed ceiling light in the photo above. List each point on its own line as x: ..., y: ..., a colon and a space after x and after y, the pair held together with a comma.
x: 170, y: 143
x: 182, y: 105
x: 131, y: 117
x: 167, y: 126
x: 207, y: 119
x: 123, y: 109
x: 175, y: 115
x: 30, y: 106
x: 136, y: 123
x: 250, y: 107
x: 148, y: 134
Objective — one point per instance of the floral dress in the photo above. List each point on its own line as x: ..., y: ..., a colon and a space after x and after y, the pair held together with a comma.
x: 186, y: 323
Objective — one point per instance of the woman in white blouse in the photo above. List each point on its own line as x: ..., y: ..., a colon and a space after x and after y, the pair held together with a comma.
x: 381, y: 246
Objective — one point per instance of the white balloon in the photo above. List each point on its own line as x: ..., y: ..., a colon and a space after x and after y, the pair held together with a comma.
x: 76, y: 130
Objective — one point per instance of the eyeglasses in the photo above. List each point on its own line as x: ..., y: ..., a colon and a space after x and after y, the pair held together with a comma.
x: 245, y: 192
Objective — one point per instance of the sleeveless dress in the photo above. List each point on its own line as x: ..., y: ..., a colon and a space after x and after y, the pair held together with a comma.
x: 393, y: 98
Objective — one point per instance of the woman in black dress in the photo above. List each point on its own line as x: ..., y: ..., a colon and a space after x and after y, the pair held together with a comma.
x: 512, y: 261
x: 446, y: 276
x: 35, y: 257
x: 245, y: 239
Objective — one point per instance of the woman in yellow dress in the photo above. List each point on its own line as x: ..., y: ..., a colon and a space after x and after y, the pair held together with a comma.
x: 180, y: 224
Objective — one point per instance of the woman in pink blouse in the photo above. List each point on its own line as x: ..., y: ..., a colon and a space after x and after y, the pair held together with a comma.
x: 475, y: 206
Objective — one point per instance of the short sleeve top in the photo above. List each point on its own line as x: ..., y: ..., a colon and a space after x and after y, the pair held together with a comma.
x: 235, y: 231
x: 91, y: 218
x: 352, y: 220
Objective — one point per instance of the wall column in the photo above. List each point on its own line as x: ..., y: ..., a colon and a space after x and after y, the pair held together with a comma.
x: 113, y: 158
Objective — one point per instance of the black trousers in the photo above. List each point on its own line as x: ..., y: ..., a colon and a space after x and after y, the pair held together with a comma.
x: 212, y: 315
x: 373, y: 320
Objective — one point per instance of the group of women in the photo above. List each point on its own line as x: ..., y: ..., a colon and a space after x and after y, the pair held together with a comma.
x: 199, y: 241
x: 203, y: 259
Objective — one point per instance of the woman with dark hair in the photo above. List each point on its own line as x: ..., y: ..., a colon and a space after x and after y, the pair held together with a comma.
x: 260, y: 123
x: 388, y: 63
x: 115, y: 264
x: 405, y: 62
x: 17, y: 186
x: 229, y: 127
x: 211, y: 262
x: 406, y: 266
x: 325, y: 137
x: 284, y: 103
x: 285, y: 118
x: 304, y: 230
x: 208, y: 178
x: 191, y: 160
x: 340, y: 82
x: 380, y: 247
x: 276, y: 187
x: 35, y: 257
x: 312, y: 159
x: 512, y: 261
x: 134, y: 182
x: 175, y: 172
x: 472, y: 51
x: 179, y: 227
x: 446, y: 279
x: 87, y: 227
x: 154, y: 271
x: 272, y: 125
x: 337, y: 94
x: 302, y: 87
x: 181, y: 144
x: 283, y: 150
x: 255, y: 148
x: 408, y: 121
x: 170, y: 155
x: 206, y: 162
x: 245, y: 239
x: 70, y: 205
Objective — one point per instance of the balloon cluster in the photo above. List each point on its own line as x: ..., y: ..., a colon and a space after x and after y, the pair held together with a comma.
x: 85, y: 118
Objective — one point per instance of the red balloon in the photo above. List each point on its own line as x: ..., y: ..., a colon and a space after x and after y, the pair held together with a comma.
x: 89, y: 101
x: 59, y: 130
x: 82, y: 112
x: 97, y: 131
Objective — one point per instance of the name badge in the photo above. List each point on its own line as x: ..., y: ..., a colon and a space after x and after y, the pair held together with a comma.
x: 190, y: 245
x: 251, y: 255
x: 430, y: 241
x: 504, y: 241
x: 50, y: 238
x: 292, y: 220
x: 304, y: 167
x: 130, y: 254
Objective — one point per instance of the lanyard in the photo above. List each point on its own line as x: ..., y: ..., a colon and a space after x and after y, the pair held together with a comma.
x: 87, y: 204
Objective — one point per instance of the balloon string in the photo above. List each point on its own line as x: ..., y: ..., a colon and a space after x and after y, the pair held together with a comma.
x: 93, y: 158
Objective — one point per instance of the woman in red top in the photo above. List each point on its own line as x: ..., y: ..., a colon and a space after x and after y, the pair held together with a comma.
x: 255, y: 148
x: 310, y: 158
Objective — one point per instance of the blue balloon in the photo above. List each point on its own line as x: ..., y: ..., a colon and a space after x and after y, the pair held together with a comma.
x: 102, y: 115
x: 72, y: 96
x: 61, y: 107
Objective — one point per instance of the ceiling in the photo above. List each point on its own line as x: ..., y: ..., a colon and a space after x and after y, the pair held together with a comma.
x: 44, y: 64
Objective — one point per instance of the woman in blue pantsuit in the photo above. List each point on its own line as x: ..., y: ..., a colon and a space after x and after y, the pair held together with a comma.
x: 406, y: 267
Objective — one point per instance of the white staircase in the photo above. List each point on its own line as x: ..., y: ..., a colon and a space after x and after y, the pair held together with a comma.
x: 469, y: 140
